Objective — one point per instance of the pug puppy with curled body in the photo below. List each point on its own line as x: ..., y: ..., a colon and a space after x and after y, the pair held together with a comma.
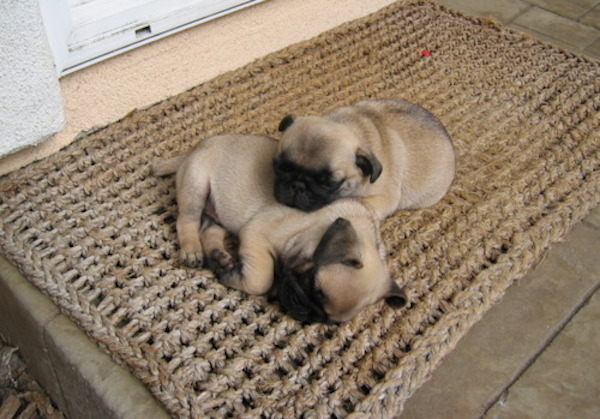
x: 325, y: 265
x: 389, y: 152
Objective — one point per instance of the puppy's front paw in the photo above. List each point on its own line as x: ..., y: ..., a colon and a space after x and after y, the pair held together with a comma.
x: 226, y: 268
x: 191, y: 258
x: 219, y: 261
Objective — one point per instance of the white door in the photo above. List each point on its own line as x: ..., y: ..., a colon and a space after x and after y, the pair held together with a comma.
x: 82, y: 32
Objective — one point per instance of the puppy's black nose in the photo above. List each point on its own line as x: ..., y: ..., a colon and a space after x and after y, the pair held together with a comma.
x: 299, y: 186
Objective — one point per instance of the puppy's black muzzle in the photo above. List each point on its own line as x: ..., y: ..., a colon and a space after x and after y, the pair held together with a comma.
x: 295, y: 290
x: 301, y: 188
x: 298, y: 195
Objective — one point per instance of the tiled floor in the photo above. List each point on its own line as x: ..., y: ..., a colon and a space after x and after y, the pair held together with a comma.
x: 537, y: 353
x: 570, y: 24
x: 533, y: 355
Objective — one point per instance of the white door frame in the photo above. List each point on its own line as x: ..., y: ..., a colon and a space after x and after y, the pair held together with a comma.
x: 83, y: 32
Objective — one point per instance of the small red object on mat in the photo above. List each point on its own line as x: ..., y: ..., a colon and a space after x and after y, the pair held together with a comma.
x: 425, y: 53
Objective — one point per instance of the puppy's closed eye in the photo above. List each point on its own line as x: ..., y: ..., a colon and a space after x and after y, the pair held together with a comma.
x: 355, y: 263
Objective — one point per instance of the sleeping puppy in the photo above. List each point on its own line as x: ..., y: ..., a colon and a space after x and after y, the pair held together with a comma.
x: 394, y: 154
x: 329, y: 263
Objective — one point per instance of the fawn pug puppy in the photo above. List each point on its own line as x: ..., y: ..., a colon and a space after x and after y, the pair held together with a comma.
x: 329, y: 263
x: 392, y: 153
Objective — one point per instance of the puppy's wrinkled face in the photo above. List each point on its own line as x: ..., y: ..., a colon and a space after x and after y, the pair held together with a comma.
x: 319, y: 161
x: 345, y: 275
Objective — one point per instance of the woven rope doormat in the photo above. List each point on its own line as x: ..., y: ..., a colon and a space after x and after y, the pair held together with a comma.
x: 95, y: 231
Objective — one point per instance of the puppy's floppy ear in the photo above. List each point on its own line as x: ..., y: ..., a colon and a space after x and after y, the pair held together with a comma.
x: 395, y: 296
x: 286, y: 122
x: 369, y: 164
x: 339, y: 244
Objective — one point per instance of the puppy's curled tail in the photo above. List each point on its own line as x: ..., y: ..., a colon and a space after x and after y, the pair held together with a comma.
x: 167, y: 167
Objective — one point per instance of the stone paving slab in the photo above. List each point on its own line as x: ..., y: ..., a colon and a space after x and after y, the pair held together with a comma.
x: 502, y: 10
x: 514, y: 332
x: 558, y: 27
x: 592, y: 17
x: 573, y: 9
x: 572, y: 25
x: 81, y: 379
x: 567, y: 373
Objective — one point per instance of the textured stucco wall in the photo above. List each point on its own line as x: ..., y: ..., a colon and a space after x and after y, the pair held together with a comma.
x: 30, y: 102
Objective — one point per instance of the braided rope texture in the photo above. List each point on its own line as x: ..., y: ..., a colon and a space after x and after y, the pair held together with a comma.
x: 93, y: 229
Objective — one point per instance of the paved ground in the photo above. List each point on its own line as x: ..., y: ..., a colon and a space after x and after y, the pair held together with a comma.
x: 537, y: 353
x: 534, y: 355
x: 571, y: 24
